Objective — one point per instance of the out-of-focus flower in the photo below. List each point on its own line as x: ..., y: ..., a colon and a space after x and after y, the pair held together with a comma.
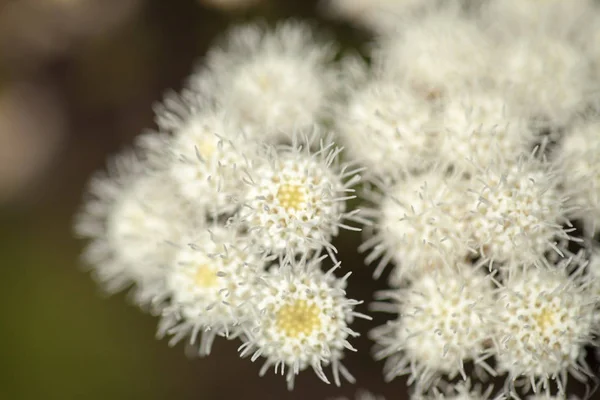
x: 419, y: 226
x: 31, y: 132
x: 523, y: 16
x: 594, y: 271
x: 272, y: 83
x: 442, y: 51
x: 546, y: 77
x: 133, y: 227
x: 578, y: 163
x: 388, y: 128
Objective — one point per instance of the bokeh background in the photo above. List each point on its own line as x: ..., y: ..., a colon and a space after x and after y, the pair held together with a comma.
x: 78, y: 79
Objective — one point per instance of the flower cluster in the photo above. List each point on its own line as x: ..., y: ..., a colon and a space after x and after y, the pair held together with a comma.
x: 219, y: 225
x: 479, y: 135
x: 474, y: 127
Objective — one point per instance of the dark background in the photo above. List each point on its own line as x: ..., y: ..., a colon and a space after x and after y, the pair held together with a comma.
x: 78, y: 79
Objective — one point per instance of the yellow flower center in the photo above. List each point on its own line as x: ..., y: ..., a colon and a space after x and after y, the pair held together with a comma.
x: 544, y: 318
x: 264, y: 81
x: 205, y: 276
x: 298, y: 318
x: 291, y: 196
x: 206, y: 148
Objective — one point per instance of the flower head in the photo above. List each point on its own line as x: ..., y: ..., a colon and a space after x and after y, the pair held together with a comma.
x: 443, y: 322
x: 593, y: 270
x: 302, y: 320
x: 208, y: 163
x: 418, y: 225
x: 578, y: 162
x: 478, y: 126
x: 388, y: 128
x: 517, y: 211
x: 547, y: 77
x: 524, y: 16
x: 296, y: 202
x: 443, y: 50
x: 210, y: 284
x: 545, y: 319
x: 270, y: 81
x: 133, y: 226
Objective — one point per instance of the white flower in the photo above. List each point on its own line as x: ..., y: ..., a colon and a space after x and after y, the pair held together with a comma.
x: 444, y: 320
x: 210, y: 284
x: 270, y: 82
x: 376, y: 15
x: 524, y: 16
x: 209, y: 161
x: 517, y: 211
x: 441, y: 51
x: 544, y: 320
x: 547, y: 76
x: 593, y: 269
x: 419, y: 225
x: 145, y: 223
x: 578, y: 160
x: 296, y: 202
x: 133, y: 217
x: 302, y: 318
x: 589, y: 34
x: 103, y: 192
x: 388, y: 128
x: 479, y: 126
x: 154, y: 149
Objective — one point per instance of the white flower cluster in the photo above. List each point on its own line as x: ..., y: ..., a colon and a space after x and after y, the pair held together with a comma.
x: 218, y: 226
x: 479, y: 135
x: 476, y: 127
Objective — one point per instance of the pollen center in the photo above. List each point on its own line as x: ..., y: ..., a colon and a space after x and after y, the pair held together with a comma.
x: 298, y: 318
x: 264, y: 81
x: 544, y: 318
x: 205, y: 276
x: 206, y: 148
x: 291, y: 196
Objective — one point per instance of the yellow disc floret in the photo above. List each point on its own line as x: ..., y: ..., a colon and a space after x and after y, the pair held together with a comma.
x: 299, y: 318
x: 291, y: 197
x: 205, y: 276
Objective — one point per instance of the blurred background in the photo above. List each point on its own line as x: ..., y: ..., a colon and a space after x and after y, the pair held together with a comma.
x: 78, y: 79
